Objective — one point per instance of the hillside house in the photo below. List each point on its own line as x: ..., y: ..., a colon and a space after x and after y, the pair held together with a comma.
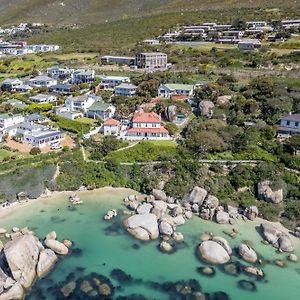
x: 110, y: 82
x: 60, y: 73
x: 41, y: 81
x: 289, y: 125
x: 118, y: 60
x: 23, y: 88
x: 82, y: 103
x: 100, y: 110
x: 10, y: 85
x: 67, y: 113
x: 42, y: 98
x: 173, y: 89
x: 83, y: 76
x: 145, y: 126
x: 16, y: 103
x: 61, y: 88
x: 8, y: 120
x: 249, y: 44
x: 151, y: 60
x: 125, y: 90
x: 111, y: 127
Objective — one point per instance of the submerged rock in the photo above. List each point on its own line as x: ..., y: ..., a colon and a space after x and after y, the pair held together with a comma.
x: 247, y: 285
x: 207, y: 271
x: 213, y: 252
x: 68, y: 289
x: 232, y: 269
x: 254, y: 271
x: 293, y: 258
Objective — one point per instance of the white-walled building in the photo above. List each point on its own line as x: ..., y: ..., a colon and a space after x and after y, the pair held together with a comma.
x: 111, y: 127
x: 41, y: 81
x: 151, y: 60
x: 173, y: 89
x: 125, y: 90
x: 83, y: 76
x: 67, y: 113
x: 10, y: 85
x: 8, y: 120
x: 110, y: 82
x: 82, y: 103
x: 42, y: 98
x: 289, y: 125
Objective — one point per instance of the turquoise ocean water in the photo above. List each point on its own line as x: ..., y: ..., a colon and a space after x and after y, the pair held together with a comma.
x: 104, y: 246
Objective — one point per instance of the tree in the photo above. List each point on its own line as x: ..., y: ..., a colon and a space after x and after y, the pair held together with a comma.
x: 294, y: 142
x: 35, y: 151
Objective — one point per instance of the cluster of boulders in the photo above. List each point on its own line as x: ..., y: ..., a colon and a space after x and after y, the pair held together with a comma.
x: 297, y: 232
x: 23, y: 259
x: 277, y: 238
x: 154, y: 216
x: 267, y: 193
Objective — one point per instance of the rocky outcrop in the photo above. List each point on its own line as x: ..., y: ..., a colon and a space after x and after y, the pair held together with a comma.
x: 251, y: 212
x: 266, y: 193
x: 208, y: 207
x: 247, y: 253
x: 16, y: 292
x: 213, y: 252
x: 166, y: 228
x: 197, y: 195
x: 145, y: 208
x: 22, y: 257
x: 277, y: 238
x: 171, y: 112
x: 159, y: 194
x: 143, y: 227
x: 46, y: 261
x: 297, y: 232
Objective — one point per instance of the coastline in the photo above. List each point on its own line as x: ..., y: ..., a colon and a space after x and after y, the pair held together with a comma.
x: 8, y: 211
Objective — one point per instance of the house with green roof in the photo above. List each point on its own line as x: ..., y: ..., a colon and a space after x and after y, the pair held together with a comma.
x: 8, y: 120
x: 16, y: 103
x: 171, y: 90
x: 100, y: 110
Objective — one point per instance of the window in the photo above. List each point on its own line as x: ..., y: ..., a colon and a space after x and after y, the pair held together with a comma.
x: 297, y: 124
x: 288, y: 123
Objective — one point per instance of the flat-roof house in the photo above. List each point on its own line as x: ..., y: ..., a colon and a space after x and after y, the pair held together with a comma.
x: 42, y: 98
x: 289, y: 125
x: 10, y: 85
x: 119, y: 60
x: 41, y: 81
x: 8, y: 120
x: 111, y: 127
x: 170, y: 90
x: 100, y: 110
x: 249, y: 44
x: 110, y: 82
x: 125, y: 90
x: 37, y: 135
x: 62, y: 88
x: 145, y: 126
x: 58, y: 72
x: 23, y: 88
x: 36, y: 118
x: 67, y: 113
x: 83, y: 76
x: 82, y: 103
x: 151, y: 60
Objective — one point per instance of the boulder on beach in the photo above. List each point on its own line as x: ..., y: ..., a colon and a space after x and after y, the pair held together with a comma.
x: 46, y: 261
x: 276, y: 237
x: 159, y: 194
x: 222, y: 217
x: 251, y: 212
x: 165, y: 228
x: 197, y: 195
x: 247, y: 253
x: 144, y: 208
x: 22, y: 257
x: 143, y: 227
x: 213, y: 252
x: 57, y: 247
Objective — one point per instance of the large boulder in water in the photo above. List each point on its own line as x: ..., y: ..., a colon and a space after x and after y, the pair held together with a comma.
x: 276, y: 237
x: 197, y: 195
x: 46, y: 261
x: 223, y: 242
x: 22, y: 257
x: 56, y: 246
x: 143, y: 227
x: 213, y: 252
x: 247, y: 253
x: 265, y: 192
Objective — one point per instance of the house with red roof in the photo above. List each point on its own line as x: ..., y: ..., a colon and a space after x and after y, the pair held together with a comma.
x: 111, y: 127
x: 145, y: 126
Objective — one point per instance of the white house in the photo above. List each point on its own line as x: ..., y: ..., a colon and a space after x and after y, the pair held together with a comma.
x: 42, y: 98
x: 250, y: 44
x: 61, y: 73
x: 111, y: 127
x: 289, y: 125
x: 83, y: 76
x: 23, y: 88
x: 173, y: 89
x: 125, y: 90
x: 41, y: 81
x: 67, y: 113
x: 82, y: 103
x: 37, y: 135
x: 110, y: 82
x: 145, y: 126
x: 10, y: 85
x: 8, y: 120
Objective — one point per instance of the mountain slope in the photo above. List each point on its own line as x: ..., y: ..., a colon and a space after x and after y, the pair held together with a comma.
x: 100, y: 11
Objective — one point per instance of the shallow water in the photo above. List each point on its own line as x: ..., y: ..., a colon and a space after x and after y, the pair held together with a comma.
x: 106, y: 246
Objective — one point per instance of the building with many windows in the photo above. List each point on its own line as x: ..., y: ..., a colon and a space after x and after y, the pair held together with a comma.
x: 151, y: 60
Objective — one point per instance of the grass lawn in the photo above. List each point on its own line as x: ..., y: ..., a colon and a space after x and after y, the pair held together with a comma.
x: 5, y: 153
x: 85, y: 120
x: 164, y: 143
